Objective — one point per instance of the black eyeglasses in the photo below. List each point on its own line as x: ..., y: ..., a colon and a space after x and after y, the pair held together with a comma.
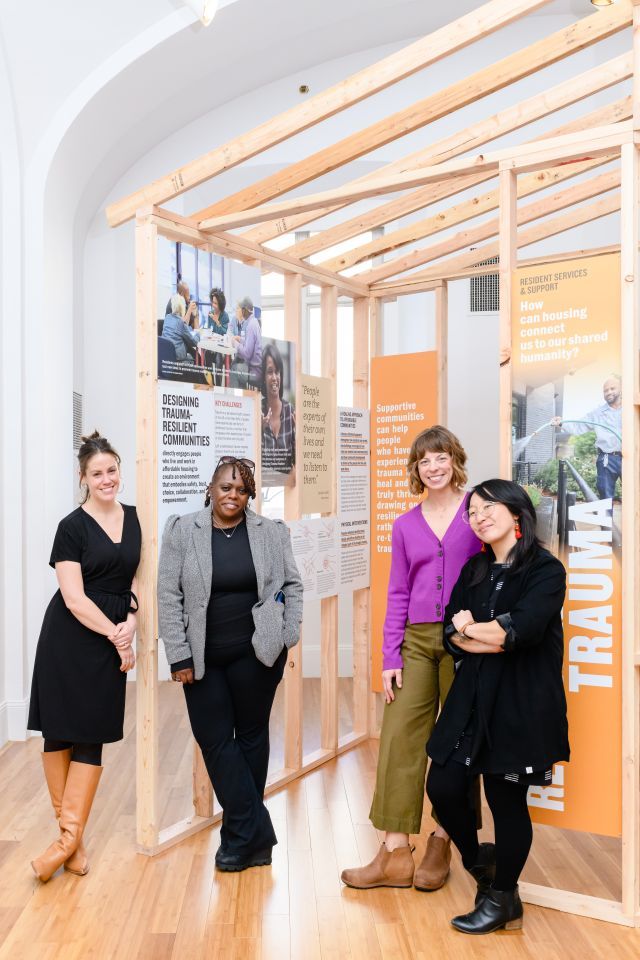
x: 230, y: 460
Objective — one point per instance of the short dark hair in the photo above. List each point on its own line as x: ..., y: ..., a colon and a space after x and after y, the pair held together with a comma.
x: 220, y: 297
x: 271, y: 350
x: 518, y: 502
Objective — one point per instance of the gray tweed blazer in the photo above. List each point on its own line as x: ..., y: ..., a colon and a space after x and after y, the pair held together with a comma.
x: 184, y: 587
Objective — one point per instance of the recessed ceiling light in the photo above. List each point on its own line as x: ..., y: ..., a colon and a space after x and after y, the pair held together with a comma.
x: 603, y: 3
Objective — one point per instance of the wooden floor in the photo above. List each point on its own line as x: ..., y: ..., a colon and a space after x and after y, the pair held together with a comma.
x: 130, y: 907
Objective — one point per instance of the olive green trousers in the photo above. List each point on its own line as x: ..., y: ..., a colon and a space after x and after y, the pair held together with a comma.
x: 407, y: 723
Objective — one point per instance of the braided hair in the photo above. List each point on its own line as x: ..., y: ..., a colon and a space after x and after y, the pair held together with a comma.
x: 91, y: 445
x: 245, y: 473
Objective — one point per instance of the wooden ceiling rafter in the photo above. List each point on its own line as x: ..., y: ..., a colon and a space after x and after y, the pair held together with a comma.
x: 496, y: 76
x: 543, y: 231
x: 620, y: 110
x: 556, y: 201
x: 454, y: 36
x: 582, y: 144
x: 426, y: 176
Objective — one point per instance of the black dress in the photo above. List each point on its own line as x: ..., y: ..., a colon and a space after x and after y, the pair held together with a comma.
x: 78, y: 689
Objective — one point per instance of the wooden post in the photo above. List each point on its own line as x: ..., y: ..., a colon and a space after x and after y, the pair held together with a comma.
x: 630, y: 339
x: 508, y: 256
x: 293, y: 693
x: 361, y: 598
x: 442, y: 347
x: 202, y: 789
x: 329, y: 606
x: 146, y: 241
x: 375, y: 350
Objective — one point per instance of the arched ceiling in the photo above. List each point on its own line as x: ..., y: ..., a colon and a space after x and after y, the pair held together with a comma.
x: 148, y: 85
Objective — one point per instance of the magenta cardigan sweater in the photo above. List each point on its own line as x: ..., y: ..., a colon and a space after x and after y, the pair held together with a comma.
x: 423, y: 573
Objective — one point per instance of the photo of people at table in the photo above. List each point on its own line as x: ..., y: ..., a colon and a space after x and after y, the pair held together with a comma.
x: 211, y: 330
x: 278, y: 413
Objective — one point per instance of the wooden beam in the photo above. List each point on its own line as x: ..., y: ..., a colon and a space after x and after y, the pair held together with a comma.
x: 469, y: 209
x: 454, y: 36
x: 180, y: 228
x: 557, y: 201
x: 469, y: 138
x: 442, y: 348
x: 146, y: 241
x: 329, y: 606
x: 508, y: 247
x: 467, y: 90
x: 549, y: 228
x: 361, y: 598
x: 405, y: 286
x: 630, y: 338
x: 375, y: 350
x: 293, y: 702
x: 418, y: 199
x: 202, y: 789
x: 584, y: 144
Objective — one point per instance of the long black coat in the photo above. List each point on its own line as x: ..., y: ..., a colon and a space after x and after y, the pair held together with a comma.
x: 520, y: 721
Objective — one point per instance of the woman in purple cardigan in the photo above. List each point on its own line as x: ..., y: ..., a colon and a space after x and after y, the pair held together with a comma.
x: 429, y: 546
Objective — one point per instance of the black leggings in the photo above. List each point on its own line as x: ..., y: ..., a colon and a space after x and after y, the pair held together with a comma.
x: 448, y: 789
x: 80, y: 752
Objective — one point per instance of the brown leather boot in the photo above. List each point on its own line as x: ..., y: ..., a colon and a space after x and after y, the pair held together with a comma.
x: 79, y: 791
x: 387, y: 869
x: 56, y: 767
x: 434, y: 869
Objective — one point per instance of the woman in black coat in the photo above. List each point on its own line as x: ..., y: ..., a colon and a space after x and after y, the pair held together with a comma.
x: 506, y: 714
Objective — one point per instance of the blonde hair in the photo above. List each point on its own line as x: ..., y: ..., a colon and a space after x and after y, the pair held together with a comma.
x: 436, y: 439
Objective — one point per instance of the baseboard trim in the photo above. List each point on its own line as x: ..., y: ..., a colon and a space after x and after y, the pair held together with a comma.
x: 13, y: 720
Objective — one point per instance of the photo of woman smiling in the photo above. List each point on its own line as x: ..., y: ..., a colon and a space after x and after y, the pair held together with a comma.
x: 278, y: 415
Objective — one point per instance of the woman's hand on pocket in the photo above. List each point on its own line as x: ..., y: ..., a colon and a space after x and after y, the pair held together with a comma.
x: 388, y: 677
x: 184, y: 676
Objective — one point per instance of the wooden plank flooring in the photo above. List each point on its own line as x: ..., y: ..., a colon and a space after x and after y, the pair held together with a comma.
x: 175, y: 906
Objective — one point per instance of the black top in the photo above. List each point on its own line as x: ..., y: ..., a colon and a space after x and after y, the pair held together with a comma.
x: 234, y: 589
x: 78, y: 689
x: 519, y: 699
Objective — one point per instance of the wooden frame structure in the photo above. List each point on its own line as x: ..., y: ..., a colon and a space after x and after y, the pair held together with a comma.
x: 608, y: 135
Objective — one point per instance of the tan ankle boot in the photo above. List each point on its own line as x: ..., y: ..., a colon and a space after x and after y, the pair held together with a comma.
x: 388, y: 869
x: 434, y: 869
x: 56, y: 767
x: 79, y: 791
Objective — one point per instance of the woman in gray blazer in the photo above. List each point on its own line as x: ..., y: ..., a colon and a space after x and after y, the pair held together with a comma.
x: 230, y: 605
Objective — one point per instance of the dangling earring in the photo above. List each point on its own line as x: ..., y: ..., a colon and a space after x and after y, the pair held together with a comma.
x: 518, y: 530
x: 483, y: 548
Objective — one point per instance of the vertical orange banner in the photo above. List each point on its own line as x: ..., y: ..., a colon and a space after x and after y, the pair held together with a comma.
x: 404, y: 402
x: 567, y: 443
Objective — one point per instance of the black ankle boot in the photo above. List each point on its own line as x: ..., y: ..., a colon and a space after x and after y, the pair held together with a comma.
x: 484, y: 870
x: 234, y: 862
x: 497, y: 910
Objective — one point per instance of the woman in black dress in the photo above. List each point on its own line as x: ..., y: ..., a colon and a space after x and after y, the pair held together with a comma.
x: 506, y: 714
x: 85, y: 649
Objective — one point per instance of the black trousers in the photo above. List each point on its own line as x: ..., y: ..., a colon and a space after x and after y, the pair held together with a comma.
x: 448, y: 789
x: 229, y: 712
